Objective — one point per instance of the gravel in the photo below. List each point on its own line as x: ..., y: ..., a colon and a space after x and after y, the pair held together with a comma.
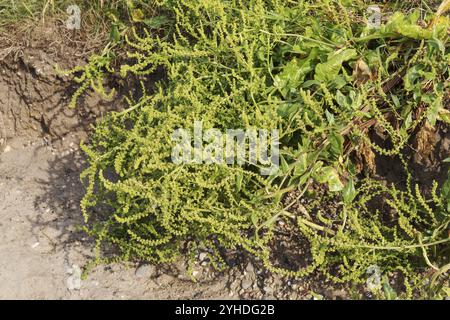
x: 144, y: 271
x: 246, y: 284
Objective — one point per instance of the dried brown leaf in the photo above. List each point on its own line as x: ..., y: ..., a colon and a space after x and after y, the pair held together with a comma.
x: 361, y: 72
x: 426, y: 140
x: 365, y: 158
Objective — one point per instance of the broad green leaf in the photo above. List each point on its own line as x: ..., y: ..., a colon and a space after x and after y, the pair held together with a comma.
x: 349, y: 192
x: 336, y: 143
x: 330, y: 117
x: 294, y: 73
x: 434, y: 110
x: 285, y: 110
x: 302, y: 165
x: 284, y: 164
x: 329, y: 70
x: 412, y: 76
x: 395, y: 100
x: 330, y: 176
x: 114, y: 34
x: 310, y: 83
x: 407, y: 27
x: 341, y: 99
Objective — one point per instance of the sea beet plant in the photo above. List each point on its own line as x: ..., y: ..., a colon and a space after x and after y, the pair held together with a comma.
x: 342, y: 94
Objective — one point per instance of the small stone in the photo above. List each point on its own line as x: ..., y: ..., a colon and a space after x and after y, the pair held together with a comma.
x: 250, y: 268
x: 74, y: 281
x: 246, y: 283
x: 35, y: 245
x: 7, y: 149
x: 202, y: 256
x: 234, y: 285
x: 268, y: 290
x: 144, y: 271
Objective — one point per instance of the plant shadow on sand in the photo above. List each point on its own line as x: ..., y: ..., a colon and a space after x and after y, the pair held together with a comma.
x: 58, y: 204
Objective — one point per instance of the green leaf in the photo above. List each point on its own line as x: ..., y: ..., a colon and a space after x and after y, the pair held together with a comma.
x: 310, y: 83
x: 156, y: 22
x: 239, y: 178
x: 336, y: 144
x: 349, y: 192
x: 114, y: 34
x: 445, y: 191
x: 130, y: 4
x: 341, y: 99
x: 329, y: 70
x: 137, y: 15
x: 407, y: 27
x: 302, y: 165
x: 284, y: 164
x: 285, y: 110
x: 434, y: 112
x: 413, y: 74
x: 294, y: 73
x: 330, y: 176
x: 330, y: 117
x: 395, y: 100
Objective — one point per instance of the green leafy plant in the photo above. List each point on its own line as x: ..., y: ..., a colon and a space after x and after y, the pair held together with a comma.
x: 329, y: 83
